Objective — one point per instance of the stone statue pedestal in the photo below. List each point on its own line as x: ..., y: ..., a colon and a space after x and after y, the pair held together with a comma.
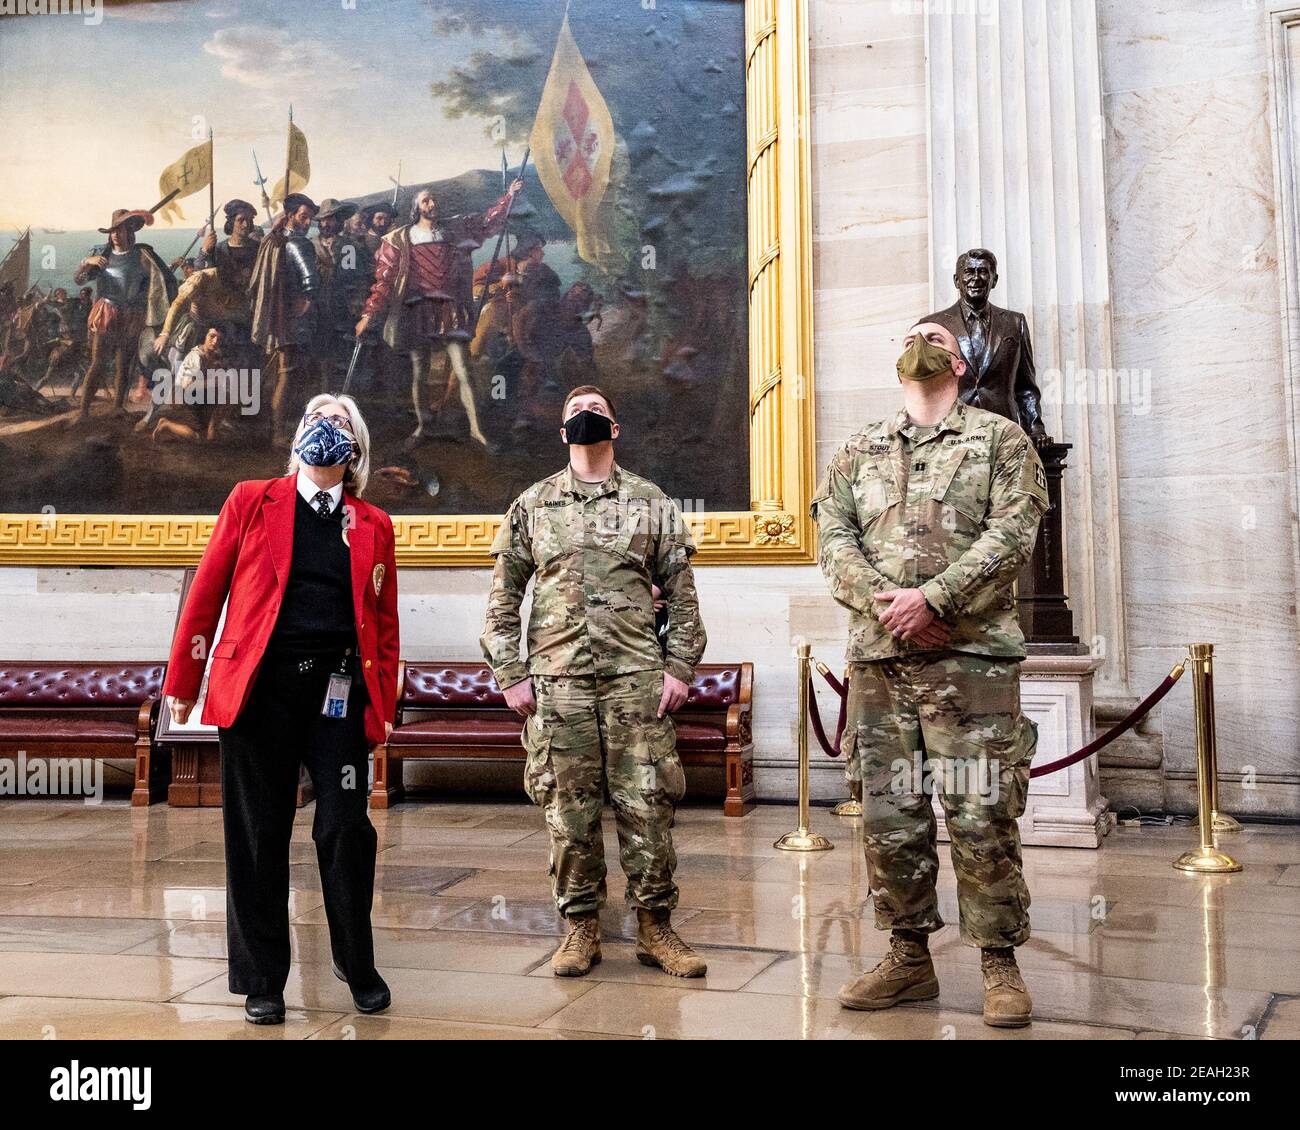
x: 1066, y: 808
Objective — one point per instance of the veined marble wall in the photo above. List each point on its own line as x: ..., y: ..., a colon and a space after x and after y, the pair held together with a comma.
x: 1207, y: 482
x: 1205, y: 479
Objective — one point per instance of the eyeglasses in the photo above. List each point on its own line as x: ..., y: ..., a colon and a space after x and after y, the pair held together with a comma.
x: 338, y: 421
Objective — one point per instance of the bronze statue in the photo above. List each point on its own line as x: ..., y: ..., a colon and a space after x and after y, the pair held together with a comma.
x: 999, y: 356
x: 1000, y: 378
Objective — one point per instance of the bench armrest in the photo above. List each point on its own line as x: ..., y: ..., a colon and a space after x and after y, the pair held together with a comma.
x: 144, y: 718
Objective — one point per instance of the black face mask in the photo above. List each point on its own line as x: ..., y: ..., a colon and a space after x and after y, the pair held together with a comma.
x: 588, y: 427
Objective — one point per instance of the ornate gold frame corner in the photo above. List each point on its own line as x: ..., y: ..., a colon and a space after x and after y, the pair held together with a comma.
x: 776, y: 530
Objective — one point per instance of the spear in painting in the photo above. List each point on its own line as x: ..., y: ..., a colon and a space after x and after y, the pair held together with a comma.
x: 496, y: 253
x: 212, y: 200
x: 397, y: 184
x: 260, y: 181
x: 288, y: 161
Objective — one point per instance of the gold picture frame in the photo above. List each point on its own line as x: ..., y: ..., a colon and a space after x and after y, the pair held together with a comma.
x: 775, y: 530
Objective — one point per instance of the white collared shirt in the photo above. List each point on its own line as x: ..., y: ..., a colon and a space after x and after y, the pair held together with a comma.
x: 309, y: 490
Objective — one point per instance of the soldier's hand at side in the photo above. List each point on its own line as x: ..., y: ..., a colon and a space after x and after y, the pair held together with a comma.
x: 519, y: 698
x: 657, y: 598
x: 907, y: 613
x: 363, y: 325
x: 674, y: 696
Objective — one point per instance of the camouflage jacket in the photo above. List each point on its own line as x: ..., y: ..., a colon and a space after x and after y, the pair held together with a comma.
x: 595, y: 555
x: 954, y: 513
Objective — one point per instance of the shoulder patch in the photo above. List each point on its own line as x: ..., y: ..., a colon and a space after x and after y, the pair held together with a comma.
x: 1032, y: 479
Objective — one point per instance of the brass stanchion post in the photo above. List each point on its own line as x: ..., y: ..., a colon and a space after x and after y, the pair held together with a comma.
x: 803, y: 839
x: 1207, y: 858
x: 1220, y: 821
x: 852, y: 806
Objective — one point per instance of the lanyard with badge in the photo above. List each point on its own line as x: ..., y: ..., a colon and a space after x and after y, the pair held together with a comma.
x: 338, y: 689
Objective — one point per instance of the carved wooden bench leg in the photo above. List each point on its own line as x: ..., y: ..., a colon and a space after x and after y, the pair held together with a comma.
x: 152, y: 773
x: 740, y: 782
x: 152, y: 765
x: 384, y: 792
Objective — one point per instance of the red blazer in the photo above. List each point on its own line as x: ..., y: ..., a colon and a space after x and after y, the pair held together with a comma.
x: 247, y: 560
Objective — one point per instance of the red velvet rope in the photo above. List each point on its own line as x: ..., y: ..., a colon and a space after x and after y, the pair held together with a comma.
x: 814, y: 713
x: 1130, y: 720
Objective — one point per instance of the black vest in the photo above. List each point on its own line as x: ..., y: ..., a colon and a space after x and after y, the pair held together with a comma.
x: 316, y: 614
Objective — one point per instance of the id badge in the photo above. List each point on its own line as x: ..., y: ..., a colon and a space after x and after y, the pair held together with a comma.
x: 336, y: 696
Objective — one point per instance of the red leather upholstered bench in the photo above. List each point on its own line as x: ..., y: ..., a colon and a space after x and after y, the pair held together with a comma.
x: 463, y: 715
x: 81, y: 710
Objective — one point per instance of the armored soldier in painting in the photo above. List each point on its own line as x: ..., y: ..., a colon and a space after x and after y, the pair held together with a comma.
x: 285, y: 291
x: 134, y: 290
x: 597, y: 690
x: 925, y: 520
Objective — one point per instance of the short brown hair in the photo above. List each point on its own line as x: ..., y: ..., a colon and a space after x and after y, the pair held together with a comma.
x: 590, y: 390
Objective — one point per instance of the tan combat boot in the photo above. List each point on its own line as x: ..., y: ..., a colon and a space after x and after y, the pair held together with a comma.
x: 580, y: 949
x: 905, y: 974
x: 657, y: 943
x: 1006, y: 1000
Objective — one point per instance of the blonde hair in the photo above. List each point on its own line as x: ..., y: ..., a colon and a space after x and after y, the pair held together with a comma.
x: 358, y: 471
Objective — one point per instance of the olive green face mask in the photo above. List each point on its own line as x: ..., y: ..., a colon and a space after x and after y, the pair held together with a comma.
x: 921, y: 360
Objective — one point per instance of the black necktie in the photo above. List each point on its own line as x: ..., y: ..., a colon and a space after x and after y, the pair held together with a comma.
x: 978, y: 340
x: 322, y: 503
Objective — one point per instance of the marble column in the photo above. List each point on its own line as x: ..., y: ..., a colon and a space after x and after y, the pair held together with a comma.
x: 1015, y: 165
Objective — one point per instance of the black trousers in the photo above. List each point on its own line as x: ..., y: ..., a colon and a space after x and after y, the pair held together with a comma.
x: 281, y: 728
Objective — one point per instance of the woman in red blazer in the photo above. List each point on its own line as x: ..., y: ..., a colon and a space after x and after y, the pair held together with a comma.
x: 305, y: 672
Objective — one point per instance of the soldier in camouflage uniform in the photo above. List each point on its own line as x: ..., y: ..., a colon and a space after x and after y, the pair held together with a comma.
x: 597, y: 690
x: 925, y: 519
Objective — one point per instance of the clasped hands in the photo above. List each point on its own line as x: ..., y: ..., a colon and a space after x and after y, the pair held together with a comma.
x: 908, y: 617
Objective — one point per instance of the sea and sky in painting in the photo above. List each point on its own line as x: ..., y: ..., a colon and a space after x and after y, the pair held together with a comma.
x: 621, y: 262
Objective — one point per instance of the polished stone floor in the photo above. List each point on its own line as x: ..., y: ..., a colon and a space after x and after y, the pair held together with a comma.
x: 111, y: 927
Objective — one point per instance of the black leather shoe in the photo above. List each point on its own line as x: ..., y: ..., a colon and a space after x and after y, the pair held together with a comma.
x: 264, y: 1008
x: 374, y: 998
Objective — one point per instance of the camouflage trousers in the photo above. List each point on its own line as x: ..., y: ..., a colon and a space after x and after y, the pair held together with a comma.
x: 592, y: 735
x: 946, y: 723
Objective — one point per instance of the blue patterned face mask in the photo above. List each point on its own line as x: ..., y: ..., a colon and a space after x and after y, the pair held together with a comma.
x: 324, y: 444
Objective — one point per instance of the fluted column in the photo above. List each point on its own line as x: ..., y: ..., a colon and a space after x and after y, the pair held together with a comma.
x: 1015, y: 161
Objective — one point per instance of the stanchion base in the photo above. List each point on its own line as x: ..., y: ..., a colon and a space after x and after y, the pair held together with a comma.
x: 803, y: 840
x: 848, y: 807
x: 1222, y: 822
x: 1207, y: 861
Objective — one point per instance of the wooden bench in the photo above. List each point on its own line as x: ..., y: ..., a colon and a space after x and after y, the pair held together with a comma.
x: 85, y: 710
x: 464, y: 715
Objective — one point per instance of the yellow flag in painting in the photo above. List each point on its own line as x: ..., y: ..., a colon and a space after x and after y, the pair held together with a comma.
x: 298, y: 165
x: 573, y: 145
x: 189, y: 174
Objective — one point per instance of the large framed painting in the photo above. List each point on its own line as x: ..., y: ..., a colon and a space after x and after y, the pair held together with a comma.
x: 620, y: 194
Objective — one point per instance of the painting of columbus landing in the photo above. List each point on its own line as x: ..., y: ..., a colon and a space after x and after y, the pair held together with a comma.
x: 211, y: 210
